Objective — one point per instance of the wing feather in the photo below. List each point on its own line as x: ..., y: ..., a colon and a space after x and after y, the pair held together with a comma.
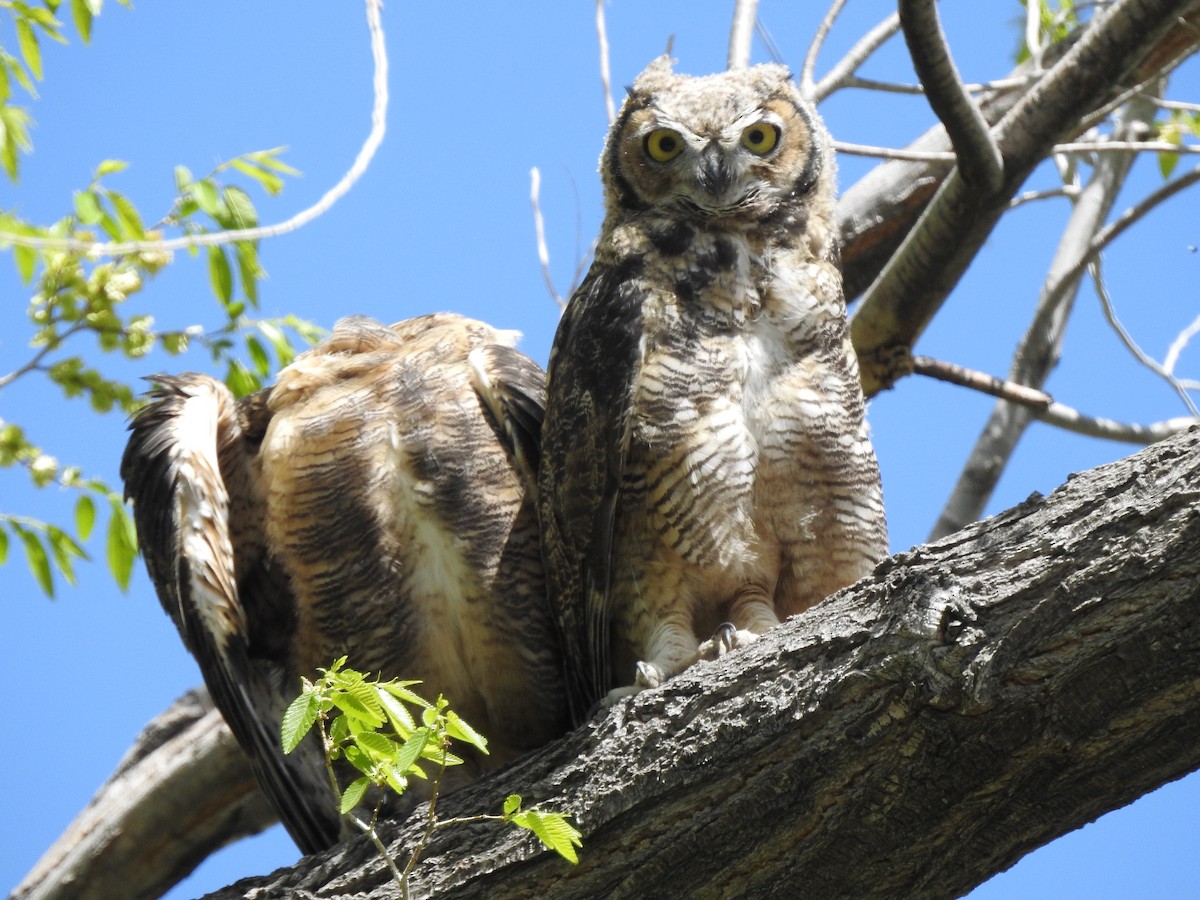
x: 593, y: 369
x: 173, y: 474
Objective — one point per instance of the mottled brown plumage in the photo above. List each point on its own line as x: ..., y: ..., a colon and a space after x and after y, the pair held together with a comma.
x: 376, y: 502
x: 706, y: 467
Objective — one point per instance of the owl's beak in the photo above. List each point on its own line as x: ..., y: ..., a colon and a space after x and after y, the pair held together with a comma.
x: 714, y: 176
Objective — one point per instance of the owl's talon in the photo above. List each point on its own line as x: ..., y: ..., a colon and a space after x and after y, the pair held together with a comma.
x: 725, y: 639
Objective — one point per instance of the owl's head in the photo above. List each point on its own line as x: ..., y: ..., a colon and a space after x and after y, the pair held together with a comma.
x: 736, y: 146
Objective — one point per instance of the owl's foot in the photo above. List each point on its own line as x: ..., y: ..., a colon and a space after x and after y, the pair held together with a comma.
x: 724, y: 639
x: 649, y: 675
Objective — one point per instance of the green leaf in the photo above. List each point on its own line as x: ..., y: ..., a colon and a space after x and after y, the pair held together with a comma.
x: 241, y: 380
x: 298, y: 719
x: 220, y: 275
x: 26, y: 261
x: 400, y: 690
x: 258, y: 354
x: 127, y: 214
x: 65, y: 551
x: 82, y: 13
x: 109, y: 166
x: 412, y: 749
x: 87, y: 207
x: 39, y: 563
x: 353, y: 794
x: 204, y: 192
x: 85, y: 516
x: 553, y: 830
x: 183, y: 178
x: 381, y: 749
x: 240, y: 212
x: 460, y: 730
x: 512, y: 804
x: 250, y: 271
x: 401, y: 718
x: 269, y: 181
x: 30, y: 51
x: 121, y: 547
x: 14, y: 137
x: 354, y: 706
x: 269, y: 159
x: 3, y: 546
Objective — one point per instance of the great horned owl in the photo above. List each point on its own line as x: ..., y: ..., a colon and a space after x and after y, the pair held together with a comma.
x: 376, y: 502
x: 706, y: 467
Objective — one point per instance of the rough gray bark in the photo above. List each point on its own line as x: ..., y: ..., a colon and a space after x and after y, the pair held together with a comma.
x: 914, y: 734
x: 183, y: 791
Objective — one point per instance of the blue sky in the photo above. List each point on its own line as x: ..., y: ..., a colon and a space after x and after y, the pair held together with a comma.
x: 480, y: 94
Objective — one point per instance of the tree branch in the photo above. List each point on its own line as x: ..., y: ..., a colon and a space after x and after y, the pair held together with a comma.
x: 979, y: 158
x: 910, y: 736
x: 1040, y: 347
x: 183, y: 791
x: 365, y: 154
x: 741, y: 33
x: 916, y: 281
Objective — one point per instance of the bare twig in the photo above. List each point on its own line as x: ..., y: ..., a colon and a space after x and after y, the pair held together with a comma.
x: 1069, y: 191
x: 1179, y: 344
x: 1039, y: 349
x: 299, y: 220
x: 981, y: 381
x: 741, y: 33
x: 539, y: 226
x: 1129, y: 433
x: 848, y: 64
x: 605, y: 77
x: 1110, y: 316
x: 807, y: 88
x: 1126, y: 147
x: 943, y: 156
x: 920, y: 275
x: 1046, y: 409
x: 979, y: 158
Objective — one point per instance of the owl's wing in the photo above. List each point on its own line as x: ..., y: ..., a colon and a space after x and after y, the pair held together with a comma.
x: 513, y: 388
x: 187, y: 470
x: 585, y: 439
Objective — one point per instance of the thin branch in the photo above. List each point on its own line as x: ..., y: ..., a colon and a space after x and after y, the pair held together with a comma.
x: 1124, y: 222
x: 1178, y: 105
x: 859, y: 53
x: 1126, y: 147
x: 767, y: 40
x: 979, y: 158
x: 1179, y: 344
x: 1110, y: 315
x: 807, y: 88
x: 945, y: 156
x: 1046, y: 409
x: 920, y: 275
x: 299, y: 220
x: 605, y: 76
x: 1040, y: 346
x: 741, y: 33
x: 1070, y: 191
x: 895, y: 87
x: 1129, y: 433
x: 953, y: 373
x: 539, y: 226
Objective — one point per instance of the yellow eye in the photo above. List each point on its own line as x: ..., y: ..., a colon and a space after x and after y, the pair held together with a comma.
x: 663, y: 144
x: 761, y: 138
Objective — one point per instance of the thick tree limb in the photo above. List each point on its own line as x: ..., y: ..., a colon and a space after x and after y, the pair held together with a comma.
x: 183, y: 791
x: 978, y: 156
x: 916, y: 281
x: 911, y: 736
